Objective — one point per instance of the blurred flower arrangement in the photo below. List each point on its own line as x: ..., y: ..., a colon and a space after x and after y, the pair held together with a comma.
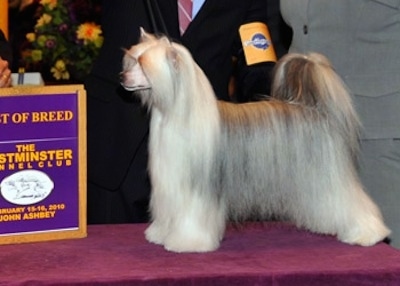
x: 66, y: 39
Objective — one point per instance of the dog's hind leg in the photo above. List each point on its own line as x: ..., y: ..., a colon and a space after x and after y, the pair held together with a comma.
x: 345, y: 211
x: 364, y: 225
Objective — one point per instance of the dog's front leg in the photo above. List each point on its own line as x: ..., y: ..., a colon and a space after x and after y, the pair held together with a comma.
x: 197, y: 227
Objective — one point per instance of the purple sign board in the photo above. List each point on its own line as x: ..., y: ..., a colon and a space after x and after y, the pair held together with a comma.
x: 42, y: 163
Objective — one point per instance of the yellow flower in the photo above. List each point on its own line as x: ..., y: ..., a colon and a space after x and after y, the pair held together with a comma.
x: 50, y: 3
x: 41, y: 40
x: 88, y: 32
x: 37, y: 55
x: 31, y: 37
x: 43, y: 20
x: 59, y: 70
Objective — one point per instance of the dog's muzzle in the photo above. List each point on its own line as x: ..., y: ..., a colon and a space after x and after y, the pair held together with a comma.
x: 132, y: 78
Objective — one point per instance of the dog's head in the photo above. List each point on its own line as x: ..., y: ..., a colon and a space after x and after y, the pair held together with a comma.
x: 149, y: 68
x: 132, y: 76
x: 163, y: 73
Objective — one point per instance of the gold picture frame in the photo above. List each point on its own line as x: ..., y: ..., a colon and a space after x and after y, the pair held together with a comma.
x: 42, y: 163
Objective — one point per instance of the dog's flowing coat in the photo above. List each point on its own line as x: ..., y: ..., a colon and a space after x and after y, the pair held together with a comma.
x: 291, y: 157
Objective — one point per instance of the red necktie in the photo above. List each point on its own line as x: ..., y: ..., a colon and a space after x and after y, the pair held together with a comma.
x: 185, y: 14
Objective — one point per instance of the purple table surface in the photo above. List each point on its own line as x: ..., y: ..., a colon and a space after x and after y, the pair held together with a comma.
x: 272, y: 253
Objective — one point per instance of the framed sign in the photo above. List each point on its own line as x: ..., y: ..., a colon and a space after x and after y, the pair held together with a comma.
x: 42, y: 163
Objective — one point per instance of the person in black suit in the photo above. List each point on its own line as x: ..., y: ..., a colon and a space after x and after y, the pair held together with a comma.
x: 118, y: 186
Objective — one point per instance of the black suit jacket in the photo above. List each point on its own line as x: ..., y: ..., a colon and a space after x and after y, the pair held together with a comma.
x: 117, y: 125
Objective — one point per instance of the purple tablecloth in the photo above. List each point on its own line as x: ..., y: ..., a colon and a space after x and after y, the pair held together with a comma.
x: 256, y: 254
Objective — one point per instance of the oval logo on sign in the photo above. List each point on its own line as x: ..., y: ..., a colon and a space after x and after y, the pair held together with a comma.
x: 260, y: 41
x: 26, y: 187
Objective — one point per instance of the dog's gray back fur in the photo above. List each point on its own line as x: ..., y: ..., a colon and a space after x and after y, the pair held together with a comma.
x: 277, y: 155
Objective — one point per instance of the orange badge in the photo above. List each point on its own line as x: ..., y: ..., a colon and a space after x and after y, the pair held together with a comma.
x: 257, y: 43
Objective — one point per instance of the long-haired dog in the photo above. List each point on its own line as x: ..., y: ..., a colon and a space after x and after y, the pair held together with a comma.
x: 291, y: 157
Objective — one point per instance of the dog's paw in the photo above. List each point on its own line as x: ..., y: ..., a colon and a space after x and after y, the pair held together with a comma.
x: 176, y: 243
x: 155, y: 234
x: 366, y: 235
x: 190, y: 247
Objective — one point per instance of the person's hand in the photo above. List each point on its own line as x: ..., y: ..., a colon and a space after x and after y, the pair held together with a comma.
x: 5, y: 74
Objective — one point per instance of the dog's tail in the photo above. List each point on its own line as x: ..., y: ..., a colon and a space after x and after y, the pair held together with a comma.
x: 310, y: 80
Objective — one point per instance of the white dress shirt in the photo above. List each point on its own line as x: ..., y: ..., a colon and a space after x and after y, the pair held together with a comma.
x: 196, y: 7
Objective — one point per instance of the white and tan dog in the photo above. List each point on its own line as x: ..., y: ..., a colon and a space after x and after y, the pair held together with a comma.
x: 291, y: 157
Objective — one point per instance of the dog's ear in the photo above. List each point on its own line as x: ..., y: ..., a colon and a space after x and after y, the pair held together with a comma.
x: 165, y: 41
x: 144, y: 36
x: 173, y: 57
